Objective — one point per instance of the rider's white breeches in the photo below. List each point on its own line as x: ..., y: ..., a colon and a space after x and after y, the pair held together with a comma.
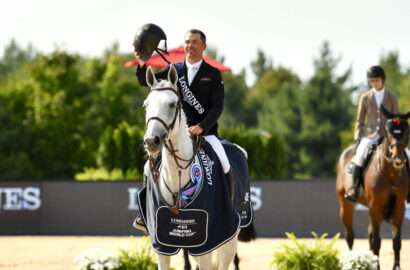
x: 220, y: 151
x: 362, y: 149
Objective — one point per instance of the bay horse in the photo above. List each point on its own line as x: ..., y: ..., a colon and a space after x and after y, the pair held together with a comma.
x: 384, y: 188
x: 167, y: 134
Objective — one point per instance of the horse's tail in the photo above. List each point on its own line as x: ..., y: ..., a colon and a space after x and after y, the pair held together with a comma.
x: 387, y: 213
x: 247, y: 234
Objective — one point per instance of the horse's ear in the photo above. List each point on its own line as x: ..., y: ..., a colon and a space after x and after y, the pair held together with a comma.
x: 151, y: 80
x: 386, y: 113
x: 407, y: 115
x: 172, y: 75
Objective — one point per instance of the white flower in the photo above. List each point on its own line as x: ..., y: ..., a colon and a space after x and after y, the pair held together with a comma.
x: 96, y: 259
x: 358, y: 260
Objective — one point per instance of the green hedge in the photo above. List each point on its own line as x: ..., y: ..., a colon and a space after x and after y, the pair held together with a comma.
x: 120, y: 151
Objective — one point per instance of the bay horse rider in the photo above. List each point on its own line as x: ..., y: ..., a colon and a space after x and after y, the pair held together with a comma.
x: 200, y: 86
x: 370, y: 123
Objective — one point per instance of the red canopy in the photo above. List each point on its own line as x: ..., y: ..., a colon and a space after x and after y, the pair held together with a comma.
x: 176, y: 55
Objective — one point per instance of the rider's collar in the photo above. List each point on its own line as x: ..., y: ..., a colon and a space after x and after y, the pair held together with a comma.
x: 194, y: 65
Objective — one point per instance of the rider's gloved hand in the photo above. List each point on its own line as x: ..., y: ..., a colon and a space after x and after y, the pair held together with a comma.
x: 357, y: 142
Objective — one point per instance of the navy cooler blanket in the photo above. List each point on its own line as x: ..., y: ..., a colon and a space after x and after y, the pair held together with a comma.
x: 204, y: 224
x: 242, y: 203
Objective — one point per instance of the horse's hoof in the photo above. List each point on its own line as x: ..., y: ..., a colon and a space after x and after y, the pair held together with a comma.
x: 396, y: 267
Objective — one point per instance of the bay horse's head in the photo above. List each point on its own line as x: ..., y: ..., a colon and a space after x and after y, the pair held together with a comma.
x: 162, y: 106
x: 397, y: 135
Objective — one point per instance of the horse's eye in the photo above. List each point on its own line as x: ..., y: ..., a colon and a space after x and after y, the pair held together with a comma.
x: 144, y: 105
x: 172, y: 105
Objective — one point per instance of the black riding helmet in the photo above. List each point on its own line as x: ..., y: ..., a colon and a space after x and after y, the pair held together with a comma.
x: 146, y: 40
x: 376, y: 72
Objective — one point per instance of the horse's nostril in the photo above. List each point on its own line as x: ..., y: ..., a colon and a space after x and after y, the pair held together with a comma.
x: 152, y: 141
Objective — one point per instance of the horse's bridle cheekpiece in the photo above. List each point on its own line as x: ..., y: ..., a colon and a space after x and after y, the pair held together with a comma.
x: 172, y: 151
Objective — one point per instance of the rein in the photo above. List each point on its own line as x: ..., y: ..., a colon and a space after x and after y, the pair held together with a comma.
x: 388, y: 159
x: 173, y: 152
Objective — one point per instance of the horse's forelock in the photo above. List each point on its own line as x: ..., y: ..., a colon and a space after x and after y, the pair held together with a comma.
x: 161, y: 83
x: 397, y: 126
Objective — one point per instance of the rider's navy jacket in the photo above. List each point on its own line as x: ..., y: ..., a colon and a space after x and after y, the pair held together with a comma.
x: 203, y: 100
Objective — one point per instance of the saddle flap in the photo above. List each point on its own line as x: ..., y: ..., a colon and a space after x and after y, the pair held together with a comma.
x: 188, y: 228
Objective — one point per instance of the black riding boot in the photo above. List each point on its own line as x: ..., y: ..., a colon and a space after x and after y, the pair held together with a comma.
x: 353, y: 194
x: 139, y: 222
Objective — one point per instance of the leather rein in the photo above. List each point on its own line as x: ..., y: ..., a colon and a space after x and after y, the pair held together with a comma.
x: 173, y: 152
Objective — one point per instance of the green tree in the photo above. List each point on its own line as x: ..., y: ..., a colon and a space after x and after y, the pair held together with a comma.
x: 235, y: 95
x: 281, y: 115
x: 261, y: 64
x: 14, y: 58
x: 325, y: 111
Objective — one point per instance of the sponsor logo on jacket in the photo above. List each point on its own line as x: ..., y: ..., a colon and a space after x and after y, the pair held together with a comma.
x: 189, y: 96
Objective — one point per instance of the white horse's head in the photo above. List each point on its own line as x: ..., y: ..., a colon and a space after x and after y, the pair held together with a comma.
x: 162, y: 106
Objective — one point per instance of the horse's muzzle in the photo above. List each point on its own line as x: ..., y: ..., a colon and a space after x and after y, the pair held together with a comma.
x: 153, y: 144
x: 398, y: 163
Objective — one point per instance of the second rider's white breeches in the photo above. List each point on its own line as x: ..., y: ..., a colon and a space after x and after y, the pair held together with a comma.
x: 220, y: 151
x: 364, y: 145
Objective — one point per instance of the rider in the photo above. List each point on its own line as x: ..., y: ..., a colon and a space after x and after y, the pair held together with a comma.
x: 368, y: 134
x: 200, y: 85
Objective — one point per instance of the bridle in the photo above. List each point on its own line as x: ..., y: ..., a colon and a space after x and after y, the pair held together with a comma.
x: 390, y: 146
x: 177, y: 111
x: 172, y: 151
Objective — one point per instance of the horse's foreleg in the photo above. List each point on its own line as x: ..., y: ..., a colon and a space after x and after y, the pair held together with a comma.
x: 164, y: 261
x: 396, y: 246
x: 227, y: 253
x: 397, y: 220
x: 346, y: 215
x: 374, y: 230
x: 205, y: 261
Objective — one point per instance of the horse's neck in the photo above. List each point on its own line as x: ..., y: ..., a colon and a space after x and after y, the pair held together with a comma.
x: 181, y: 142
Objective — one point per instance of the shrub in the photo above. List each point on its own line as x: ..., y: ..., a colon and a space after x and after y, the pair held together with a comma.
x: 138, y: 257
x: 103, y: 174
x: 300, y: 256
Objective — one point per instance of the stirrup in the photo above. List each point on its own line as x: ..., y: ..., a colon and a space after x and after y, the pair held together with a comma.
x: 139, y: 224
x: 352, y: 195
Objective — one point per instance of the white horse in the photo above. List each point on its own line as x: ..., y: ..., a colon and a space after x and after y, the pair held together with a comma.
x: 167, y: 133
